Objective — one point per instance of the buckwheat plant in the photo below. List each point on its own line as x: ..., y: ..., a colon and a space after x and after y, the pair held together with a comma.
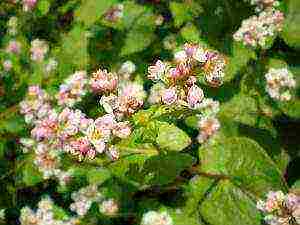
x: 280, y: 208
x: 280, y: 82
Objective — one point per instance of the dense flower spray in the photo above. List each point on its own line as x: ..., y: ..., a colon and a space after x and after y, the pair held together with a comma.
x: 177, y: 86
x: 280, y: 208
x: 39, y: 49
x: 257, y: 30
x: 157, y: 218
x: 44, y: 215
x: 279, y: 84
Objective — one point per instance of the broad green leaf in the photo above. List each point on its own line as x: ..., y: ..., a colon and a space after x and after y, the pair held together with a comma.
x: 73, y: 54
x: 291, y: 108
x: 296, y: 185
x: 143, y: 171
x: 98, y: 176
x: 195, y: 191
x: 2, y: 148
x: 181, y: 13
x: 228, y: 205
x: 244, y: 162
x: 172, y: 138
x: 291, y: 29
x: 180, y: 217
x: 91, y: 10
x: 238, y: 59
x: 190, y: 33
x: 163, y: 169
x: 59, y: 213
x: 140, y: 36
x: 31, y: 174
x: 44, y: 6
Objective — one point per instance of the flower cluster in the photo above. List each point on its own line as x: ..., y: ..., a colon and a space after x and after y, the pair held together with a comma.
x: 109, y: 207
x: 186, y: 62
x: 156, y: 218
x: 264, y: 4
x: 279, y: 83
x: 28, y: 5
x: 280, y: 209
x: 13, y: 47
x: 73, y: 89
x: 12, y: 26
x: 177, y: 85
x: 38, y: 49
x: 84, y: 198
x: 115, y: 13
x: 120, y: 97
x: 44, y: 215
x: 257, y: 30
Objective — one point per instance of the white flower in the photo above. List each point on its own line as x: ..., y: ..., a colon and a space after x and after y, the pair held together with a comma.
x: 156, y: 218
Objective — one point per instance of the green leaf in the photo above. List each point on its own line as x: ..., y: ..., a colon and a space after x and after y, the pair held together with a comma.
x: 240, y: 56
x: 291, y: 29
x: 244, y: 162
x: 296, y: 185
x: 91, y: 10
x: 190, y: 33
x: 140, y: 36
x: 73, y: 54
x: 59, y: 213
x: 172, y: 138
x: 163, y: 169
x: 43, y: 6
x: 228, y: 205
x: 181, y: 13
x: 31, y: 174
x: 98, y: 176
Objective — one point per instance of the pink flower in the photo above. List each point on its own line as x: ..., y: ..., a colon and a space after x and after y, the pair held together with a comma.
x: 169, y: 96
x: 122, y: 130
x: 29, y: 5
x: 102, y: 81
x: 13, y: 47
x: 195, y: 96
x: 113, y: 153
x: 157, y: 71
x: 208, y: 127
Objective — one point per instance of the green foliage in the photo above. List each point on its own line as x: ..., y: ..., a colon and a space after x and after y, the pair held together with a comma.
x: 172, y: 138
x: 90, y: 10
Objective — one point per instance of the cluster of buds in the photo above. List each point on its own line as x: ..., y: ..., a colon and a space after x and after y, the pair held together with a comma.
x: 84, y: 198
x: 177, y: 86
x: 208, y: 123
x: 13, y: 47
x: 73, y: 89
x: 43, y: 215
x: 69, y: 130
x: 129, y: 98
x: 50, y: 66
x: 120, y: 97
x: 38, y: 49
x: 256, y: 30
x: 281, y: 209
x: 28, y: 5
x: 115, y: 13
x: 157, y: 218
x: 279, y: 83
x: 36, y: 104
x: 264, y: 4
x: 109, y: 207
x: 12, y: 26
x: 7, y: 65
x: 186, y: 63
